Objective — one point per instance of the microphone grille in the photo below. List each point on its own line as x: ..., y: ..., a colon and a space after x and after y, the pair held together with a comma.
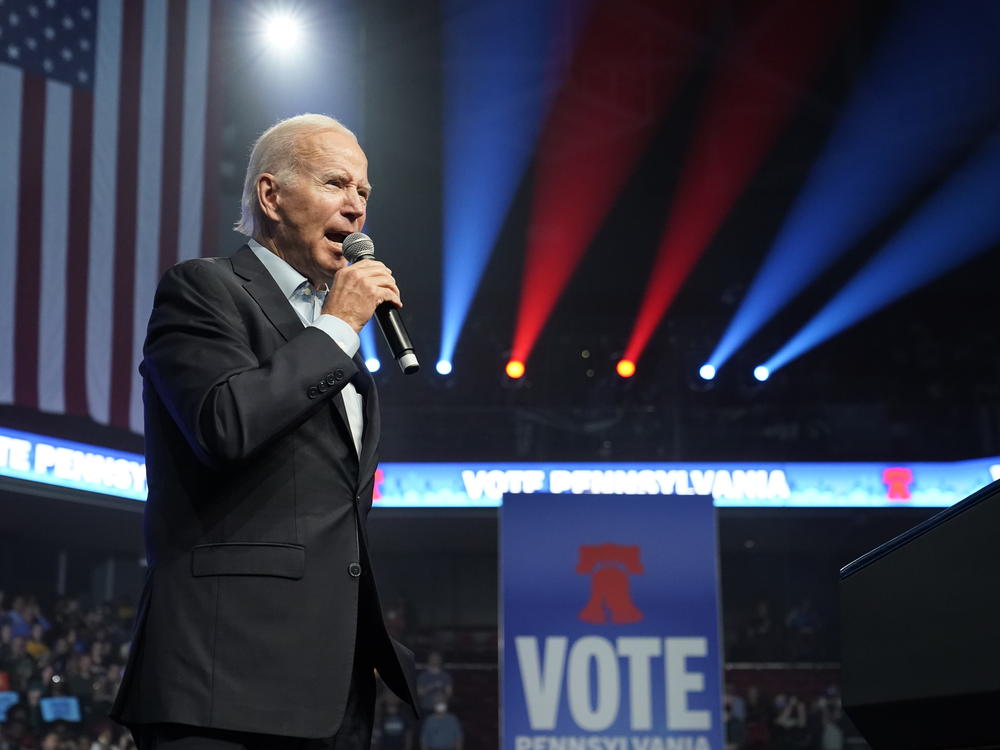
x: 358, y: 246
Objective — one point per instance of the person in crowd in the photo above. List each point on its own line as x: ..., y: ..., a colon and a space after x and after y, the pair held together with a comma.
x: 790, y: 722
x: 735, y: 729
x: 738, y: 705
x: 396, y: 726
x: 434, y: 684
x: 830, y: 721
x: 6, y: 646
x: 758, y: 721
x: 35, y: 645
x: 441, y: 730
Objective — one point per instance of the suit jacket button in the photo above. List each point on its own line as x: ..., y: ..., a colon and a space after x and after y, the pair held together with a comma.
x: 338, y: 375
x: 330, y: 380
x: 323, y: 387
x: 354, y: 569
x: 313, y: 391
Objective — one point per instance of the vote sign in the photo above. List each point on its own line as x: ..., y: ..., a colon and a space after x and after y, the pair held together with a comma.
x: 610, y: 623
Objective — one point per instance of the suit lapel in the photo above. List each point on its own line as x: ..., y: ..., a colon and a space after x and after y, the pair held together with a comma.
x: 278, y: 310
x: 265, y: 291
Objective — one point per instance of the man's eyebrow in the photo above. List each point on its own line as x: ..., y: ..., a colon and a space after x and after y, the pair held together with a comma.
x: 341, y: 173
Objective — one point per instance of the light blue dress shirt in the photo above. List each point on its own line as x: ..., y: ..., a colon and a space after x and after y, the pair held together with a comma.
x: 307, y: 301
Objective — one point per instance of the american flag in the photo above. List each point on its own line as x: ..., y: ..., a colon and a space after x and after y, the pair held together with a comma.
x: 108, y: 124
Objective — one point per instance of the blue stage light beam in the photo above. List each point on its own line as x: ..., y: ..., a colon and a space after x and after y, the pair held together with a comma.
x: 930, y: 88
x: 957, y: 223
x: 368, y: 350
x: 502, y: 62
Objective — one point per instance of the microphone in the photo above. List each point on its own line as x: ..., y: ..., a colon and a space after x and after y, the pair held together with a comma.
x: 358, y: 246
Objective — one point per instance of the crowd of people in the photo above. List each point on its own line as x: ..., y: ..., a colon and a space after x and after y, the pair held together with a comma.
x: 798, y: 634
x: 397, y: 728
x: 755, y: 721
x: 59, y: 669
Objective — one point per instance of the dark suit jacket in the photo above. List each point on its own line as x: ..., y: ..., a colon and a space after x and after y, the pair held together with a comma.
x: 255, y: 524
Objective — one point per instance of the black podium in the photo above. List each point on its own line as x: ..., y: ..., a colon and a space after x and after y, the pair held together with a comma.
x: 920, y: 632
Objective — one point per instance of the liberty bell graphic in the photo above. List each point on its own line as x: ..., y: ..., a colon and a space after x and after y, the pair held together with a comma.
x: 609, y: 566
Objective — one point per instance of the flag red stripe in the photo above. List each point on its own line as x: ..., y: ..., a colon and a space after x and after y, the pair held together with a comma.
x: 78, y: 257
x: 126, y: 211
x: 173, y: 119
x: 29, y: 241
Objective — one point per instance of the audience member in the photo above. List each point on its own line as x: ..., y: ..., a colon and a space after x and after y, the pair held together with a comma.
x: 441, y: 730
x: 396, y: 726
x: 434, y: 684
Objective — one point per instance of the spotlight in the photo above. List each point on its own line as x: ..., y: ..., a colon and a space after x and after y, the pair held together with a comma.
x: 626, y: 368
x: 515, y: 369
x: 373, y: 364
x: 282, y: 32
x: 707, y: 372
x: 443, y: 367
x: 761, y: 373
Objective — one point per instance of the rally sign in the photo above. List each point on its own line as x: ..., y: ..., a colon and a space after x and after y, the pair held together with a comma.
x: 610, y: 623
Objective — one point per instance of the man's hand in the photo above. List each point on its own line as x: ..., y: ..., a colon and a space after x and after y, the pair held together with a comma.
x: 358, y: 289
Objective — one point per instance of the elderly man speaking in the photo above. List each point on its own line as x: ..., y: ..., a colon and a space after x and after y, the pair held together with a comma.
x: 260, y: 624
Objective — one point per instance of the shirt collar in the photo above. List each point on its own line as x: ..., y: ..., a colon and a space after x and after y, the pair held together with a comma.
x: 287, y: 278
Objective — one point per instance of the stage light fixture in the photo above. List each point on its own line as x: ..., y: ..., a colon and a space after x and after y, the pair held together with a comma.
x: 707, y: 372
x: 761, y: 373
x: 373, y: 364
x: 515, y: 369
x: 443, y: 367
x: 282, y: 32
x: 626, y: 368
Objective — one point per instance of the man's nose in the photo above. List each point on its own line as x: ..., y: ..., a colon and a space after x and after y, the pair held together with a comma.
x: 354, y: 204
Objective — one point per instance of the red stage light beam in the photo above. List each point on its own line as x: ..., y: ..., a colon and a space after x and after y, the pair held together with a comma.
x: 755, y: 90
x: 628, y: 63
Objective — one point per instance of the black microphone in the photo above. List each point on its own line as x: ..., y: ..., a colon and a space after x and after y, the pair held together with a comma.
x: 357, y: 247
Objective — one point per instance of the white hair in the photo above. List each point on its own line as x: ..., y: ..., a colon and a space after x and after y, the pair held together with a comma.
x: 278, y: 152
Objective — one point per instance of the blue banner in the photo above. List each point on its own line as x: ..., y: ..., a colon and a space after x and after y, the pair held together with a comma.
x: 61, y: 708
x: 8, y: 698
x: 46, y: 460
x: 610, y: 623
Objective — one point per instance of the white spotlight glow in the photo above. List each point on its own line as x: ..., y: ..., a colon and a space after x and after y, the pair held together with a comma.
x: 373, y: 364
x: 761, y: 373
x: 444, y: 367
x: 283, y: 32
x: 707, y: 372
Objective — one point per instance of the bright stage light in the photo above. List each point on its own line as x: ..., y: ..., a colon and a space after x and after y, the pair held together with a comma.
x: 373, y: 364
x: 515, y: 369
x: 761, y: 373
x: 282, y: 32
x: 707, y: 372
x: 443, y: 367
x: 626, y: 368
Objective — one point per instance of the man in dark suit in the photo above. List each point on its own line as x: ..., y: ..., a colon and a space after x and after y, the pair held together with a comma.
x: 259, y: 624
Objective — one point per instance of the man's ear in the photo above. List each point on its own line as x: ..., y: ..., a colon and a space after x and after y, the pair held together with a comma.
x: 267, y: 195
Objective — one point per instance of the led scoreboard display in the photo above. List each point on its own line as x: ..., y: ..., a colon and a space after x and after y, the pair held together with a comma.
x: 78, y: 466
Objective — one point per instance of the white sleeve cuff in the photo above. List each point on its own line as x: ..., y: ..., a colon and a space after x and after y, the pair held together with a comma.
x: 340, y: 331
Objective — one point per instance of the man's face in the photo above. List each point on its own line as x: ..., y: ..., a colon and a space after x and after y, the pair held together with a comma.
x: 321, y: 205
